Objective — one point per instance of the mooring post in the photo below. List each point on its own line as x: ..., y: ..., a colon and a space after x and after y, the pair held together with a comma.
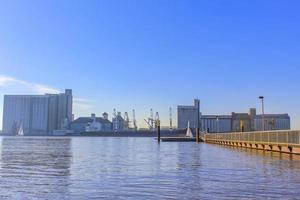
x: 158, y: 130
x: 198, y: 121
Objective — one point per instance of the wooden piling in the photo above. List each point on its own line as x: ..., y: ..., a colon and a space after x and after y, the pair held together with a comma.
x: 198, y: 135
x: 158, y: 131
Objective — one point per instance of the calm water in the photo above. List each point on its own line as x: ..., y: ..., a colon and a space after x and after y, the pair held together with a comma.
x: 139, y: 168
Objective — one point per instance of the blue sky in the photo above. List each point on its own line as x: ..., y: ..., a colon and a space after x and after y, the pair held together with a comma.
x: 154, y: 54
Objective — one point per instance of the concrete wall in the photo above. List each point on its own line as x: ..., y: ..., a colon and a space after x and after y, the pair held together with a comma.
x: 53, y: 112
x: 64, y: 108
x: 39, y: 114
x: 16, y: 110
x: 187, y: 114
x: 30, y: 112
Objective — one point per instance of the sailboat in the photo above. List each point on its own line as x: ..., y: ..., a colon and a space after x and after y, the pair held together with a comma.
x: 189, y: 131
x: 20, y: 131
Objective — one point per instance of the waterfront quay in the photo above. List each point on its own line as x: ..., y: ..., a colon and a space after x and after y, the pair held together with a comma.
x: 278, y: 141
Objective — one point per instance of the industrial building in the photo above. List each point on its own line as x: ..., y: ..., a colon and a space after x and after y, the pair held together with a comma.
x: 272, y: 122
x: 119, y: 123
x: 187, y: 114
x: 37, y: 114
x: 245, y: 122
x: 92, y: 124
x: 216, y: 123
x: 241, y: 122
x: 102, y: 124
x: 124, y: 123
x: 236, y: 122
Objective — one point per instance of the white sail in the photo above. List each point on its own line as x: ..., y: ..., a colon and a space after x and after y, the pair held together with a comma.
x: 189, y: 131
x: 21, y: 131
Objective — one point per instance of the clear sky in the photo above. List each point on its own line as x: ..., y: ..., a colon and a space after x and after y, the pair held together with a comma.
x: 146, y: 54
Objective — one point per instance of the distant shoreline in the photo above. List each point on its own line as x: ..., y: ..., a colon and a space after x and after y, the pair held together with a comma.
x: 164, y: 133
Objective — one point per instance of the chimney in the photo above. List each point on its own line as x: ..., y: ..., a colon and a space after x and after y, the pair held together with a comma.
x: 105, y: 116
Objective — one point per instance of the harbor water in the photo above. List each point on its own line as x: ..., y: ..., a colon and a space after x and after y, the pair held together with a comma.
x: 139, y: 168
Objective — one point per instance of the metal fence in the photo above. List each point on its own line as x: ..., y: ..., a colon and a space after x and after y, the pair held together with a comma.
x: 274, y: 137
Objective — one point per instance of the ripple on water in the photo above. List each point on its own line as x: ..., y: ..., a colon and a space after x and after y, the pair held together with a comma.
x: 139, y: 168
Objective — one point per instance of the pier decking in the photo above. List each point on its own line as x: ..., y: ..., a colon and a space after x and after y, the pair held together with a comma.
x: 279, y: 141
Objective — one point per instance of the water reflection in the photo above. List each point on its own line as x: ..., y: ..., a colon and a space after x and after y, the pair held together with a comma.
x: 35, y: 167
x: 187, y: 162
x: 139, y: 168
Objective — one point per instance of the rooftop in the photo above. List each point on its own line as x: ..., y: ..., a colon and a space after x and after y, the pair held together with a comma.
x: 84, y: 120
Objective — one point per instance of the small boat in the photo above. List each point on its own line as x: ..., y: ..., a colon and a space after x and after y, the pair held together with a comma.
x: 189, y: 132
x: 20, y: 131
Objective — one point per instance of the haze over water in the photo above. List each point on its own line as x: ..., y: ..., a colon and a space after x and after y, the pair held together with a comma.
x: 139, y: 168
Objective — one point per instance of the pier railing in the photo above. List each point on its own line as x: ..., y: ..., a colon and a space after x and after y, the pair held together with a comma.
x: 284, y: 138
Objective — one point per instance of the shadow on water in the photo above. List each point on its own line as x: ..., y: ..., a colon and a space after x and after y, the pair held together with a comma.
x: 35, y: 167
x: 263, y: 153
x: 281, y: 160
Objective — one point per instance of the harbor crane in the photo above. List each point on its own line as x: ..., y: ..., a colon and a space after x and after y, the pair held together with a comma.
x: 126, y: 121
x: 150, y: 121
x: 171, y: 122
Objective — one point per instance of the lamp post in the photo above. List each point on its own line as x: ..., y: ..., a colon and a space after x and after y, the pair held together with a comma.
x: 263, y: 112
